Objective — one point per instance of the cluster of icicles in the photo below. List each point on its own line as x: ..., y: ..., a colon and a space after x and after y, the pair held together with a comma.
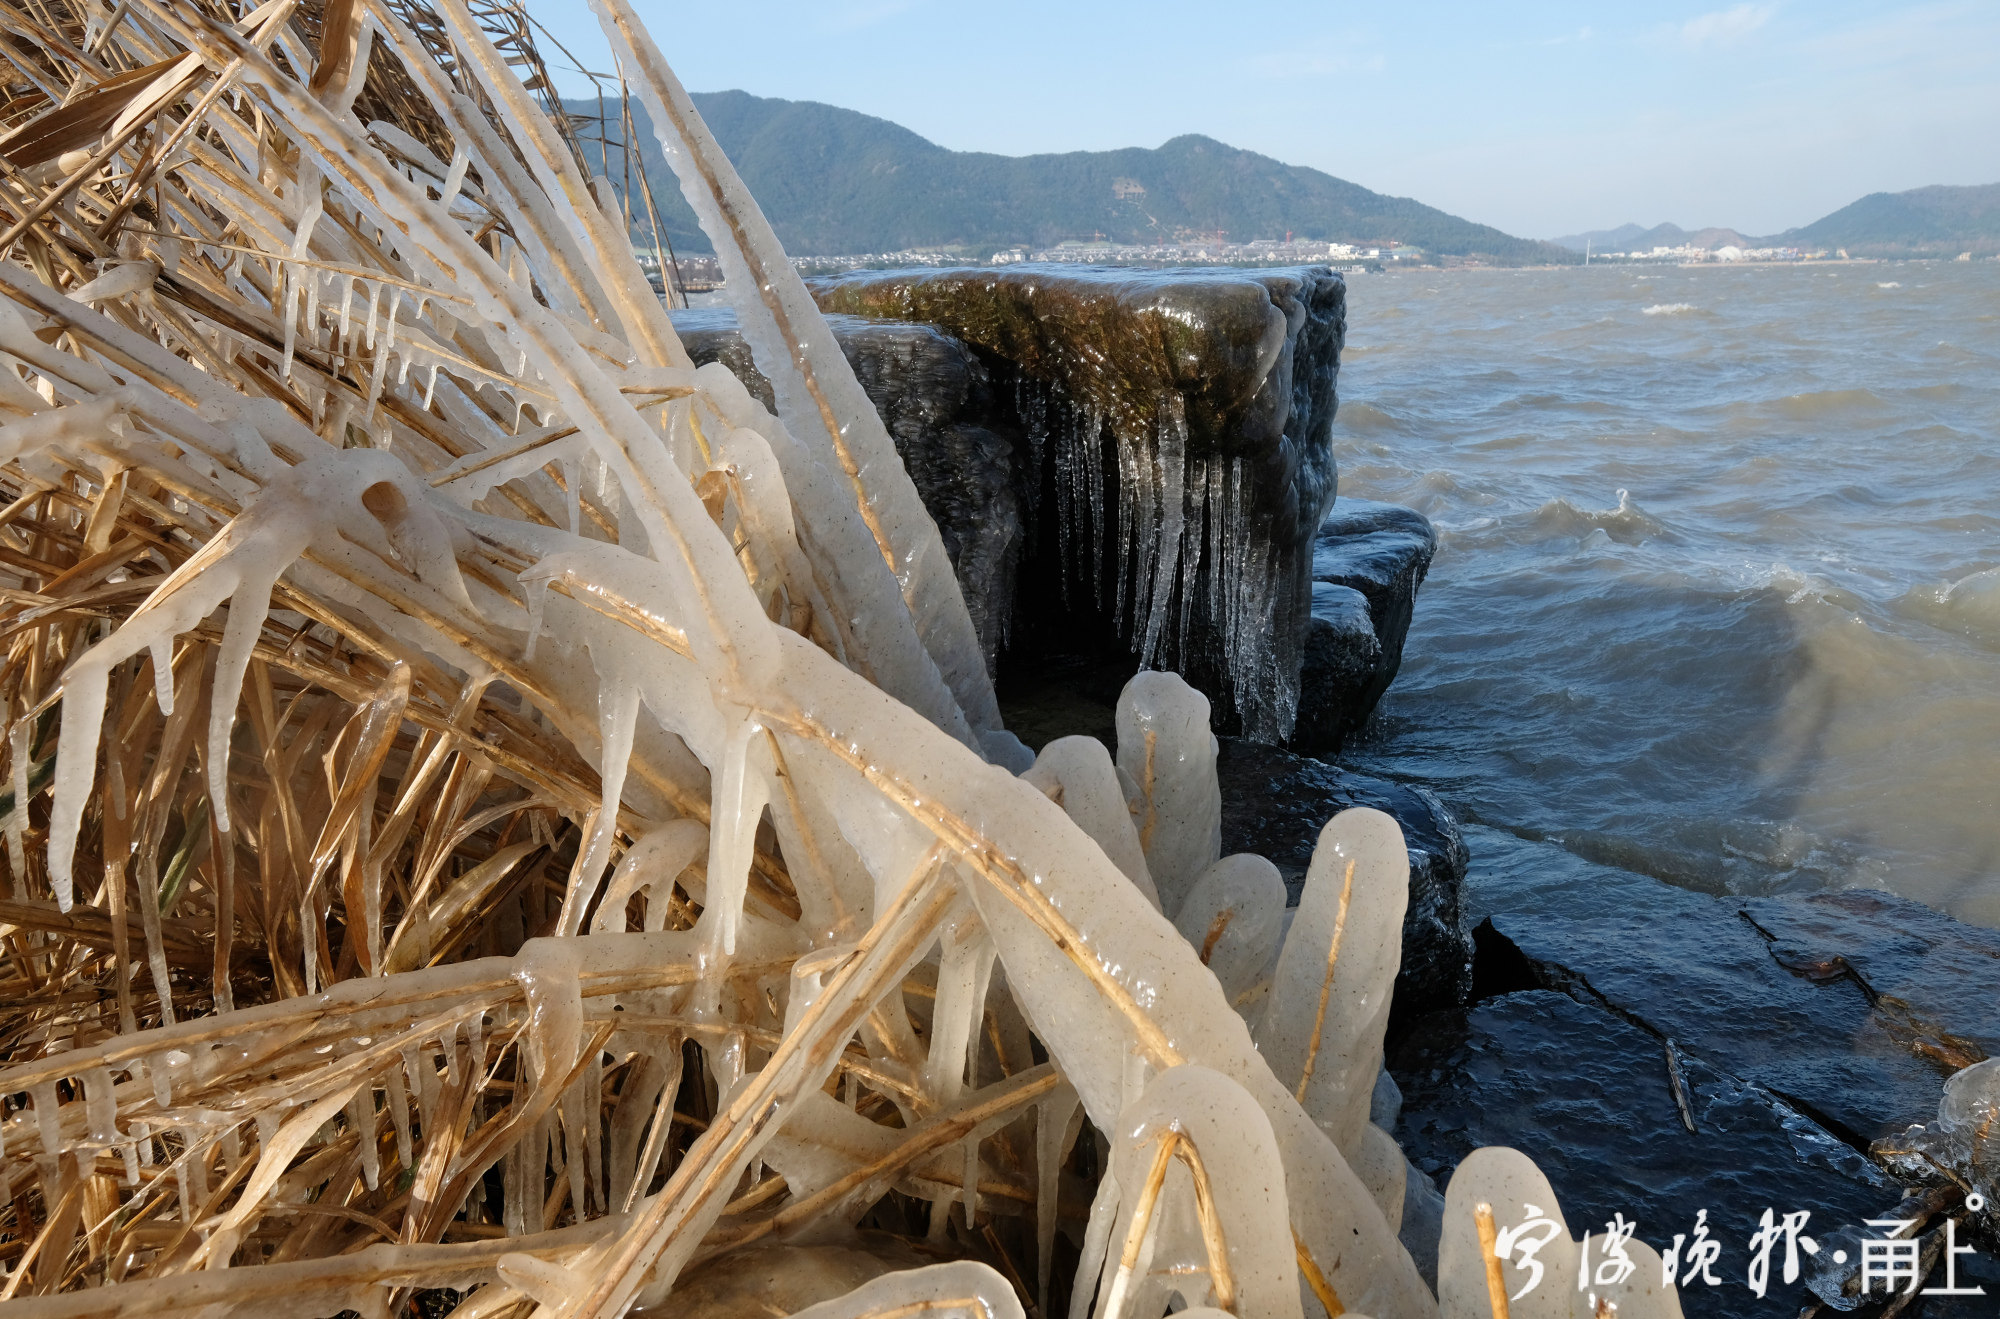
x: 397, y: 638
x: 1193, y: 577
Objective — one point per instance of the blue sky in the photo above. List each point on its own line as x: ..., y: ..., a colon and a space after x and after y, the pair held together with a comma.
x: 1541, y: 118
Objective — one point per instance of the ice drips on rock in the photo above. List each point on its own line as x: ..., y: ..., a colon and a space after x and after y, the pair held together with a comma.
x: 1180, y: 424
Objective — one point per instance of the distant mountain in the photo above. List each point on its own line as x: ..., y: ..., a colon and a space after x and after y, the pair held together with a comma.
x: 835, y: 182
x: 1637, y: 238
x: 1934, y: 221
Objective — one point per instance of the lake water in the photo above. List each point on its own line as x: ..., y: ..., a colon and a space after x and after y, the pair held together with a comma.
x: 1717, y: 596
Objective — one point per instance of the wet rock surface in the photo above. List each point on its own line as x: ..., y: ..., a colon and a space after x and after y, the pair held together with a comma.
x: 1178, y: 451
x: 1369, y: 559
x: 1802, y: 1027
x: 1934, y: 982
x: 1587, y: 1096
x: 1694, y: 969
x: 1275, y: 803
x: 936, y: 398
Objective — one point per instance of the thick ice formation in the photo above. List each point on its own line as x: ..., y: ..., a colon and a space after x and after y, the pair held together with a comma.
x: 1539, y: 1265
x: 1167, y: 756
x: 571, y: 840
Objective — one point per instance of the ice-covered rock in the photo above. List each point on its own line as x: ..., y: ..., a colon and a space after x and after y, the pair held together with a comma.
x: 1369, y: 559
x: 1178, y: 457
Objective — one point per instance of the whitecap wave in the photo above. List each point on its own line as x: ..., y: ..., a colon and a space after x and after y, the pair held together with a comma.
x: 1892, y: 284
x: 1668, y: 309
x: 1970, y: 605
x: 1627, y: 524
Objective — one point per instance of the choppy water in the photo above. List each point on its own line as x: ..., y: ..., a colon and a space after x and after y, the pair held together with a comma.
x: 1718, y: 589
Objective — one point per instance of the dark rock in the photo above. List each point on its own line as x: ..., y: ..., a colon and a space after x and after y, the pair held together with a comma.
x: 1275, y: 803
x: 1369, y: 559
x: 936, y: 399
x: 1178, y: 429
x: 1929, y: 978
x: 1802, y: 1026
x: 711, y: 334
x: 1694, y: 969
x: 1339, y: 671
x: 1587, y: 1096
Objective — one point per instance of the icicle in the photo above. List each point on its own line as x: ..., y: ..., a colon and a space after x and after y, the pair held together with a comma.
x: 399, y: 1116
x: 536, y: 590
x: 48, y: 1124
x: 617, y: 722
x: 1329, y: 1006
x: 313, y: 281
x: 311, y: 205
x: 100, y: 1107
x: 346, y: 317
x: 374, y: 309
x: 1170, y: 472
x: 448, y: 1045
x: 549, y: 972
x: 423, y: 1082
x: 1093, y: 485
x: 160, y: 1069
x: 361, y: 1118
x: 382, y: 351
x: 389, y: 324
x: 163, y: 673
x: 740, y: 795
x: 48, y: 1121
x: 430, y: 386
x: 454, y: 177
x: 286, y: 299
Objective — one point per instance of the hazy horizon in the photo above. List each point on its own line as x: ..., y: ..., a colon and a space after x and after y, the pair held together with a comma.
x: 1550, y: 118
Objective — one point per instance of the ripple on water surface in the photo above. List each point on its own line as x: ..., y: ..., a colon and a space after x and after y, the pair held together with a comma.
x: 1718, y: 592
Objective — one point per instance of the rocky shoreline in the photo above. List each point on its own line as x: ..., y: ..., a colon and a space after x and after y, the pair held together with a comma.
x: 1662, y: 1054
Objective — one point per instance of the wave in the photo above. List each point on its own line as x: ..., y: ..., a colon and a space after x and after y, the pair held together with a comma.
x: 1627, y: 524
x: 1668, y: 309
x: 1970, y: 605
x: 1892, y: 284
x: 1365, y: 417
x: 1830, y: 402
